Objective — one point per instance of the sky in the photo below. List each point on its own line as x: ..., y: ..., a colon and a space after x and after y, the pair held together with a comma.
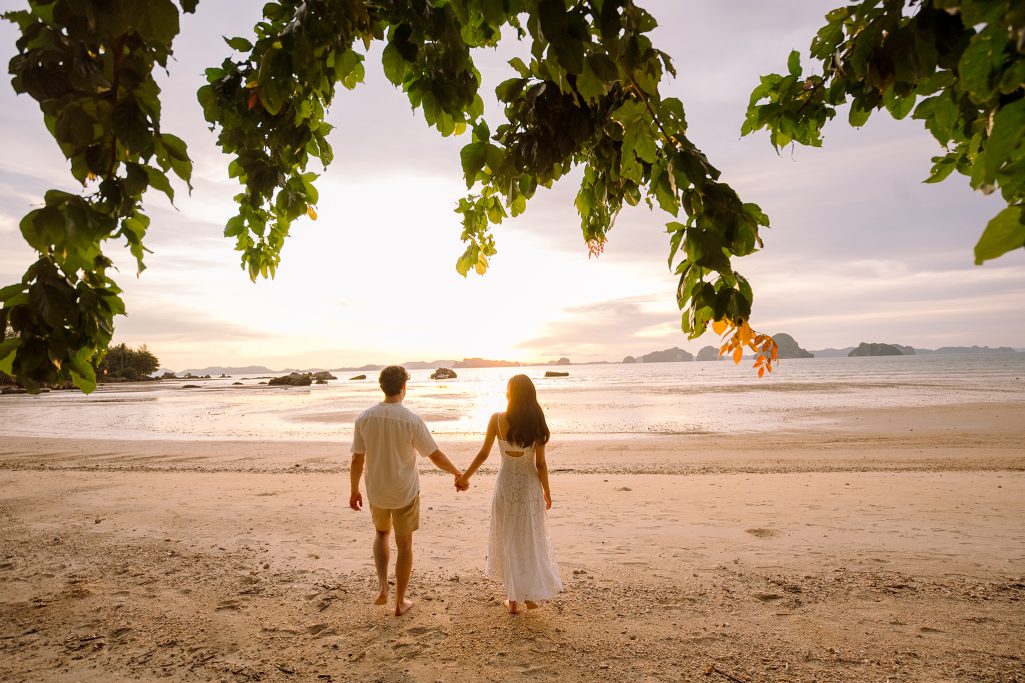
x: 859, y: 249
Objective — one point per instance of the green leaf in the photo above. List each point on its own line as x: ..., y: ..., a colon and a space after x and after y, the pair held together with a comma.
x: 472, y: 157
x: 941, y: 168
x: 674, y: 245
x: 590, y: 86
x: 394, y: 64
x: 520, y: 67
x: 1006, y: 232
x: 8, y: 351
x: 1008, y: 129
x: 154, y: 20
x: 82, y: 373
x: 794, y: 63
x: 979, y: 61
x: 858, y: 116
x: 75, y: 126
x: 11, y: 291
x: 239, y: 44
x: 159, y: 181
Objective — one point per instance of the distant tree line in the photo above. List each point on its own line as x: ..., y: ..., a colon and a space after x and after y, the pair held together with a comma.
x: 124, y: 362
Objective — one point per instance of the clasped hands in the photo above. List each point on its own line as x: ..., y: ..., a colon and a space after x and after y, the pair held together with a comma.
x: 462, y: 483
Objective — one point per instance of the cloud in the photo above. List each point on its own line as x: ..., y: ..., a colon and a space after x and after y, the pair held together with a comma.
x: 608, y: 329
x: 859, y: 247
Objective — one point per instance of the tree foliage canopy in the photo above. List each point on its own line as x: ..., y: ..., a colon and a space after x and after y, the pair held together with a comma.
x: 124, y: 362
x: 589, y: 95
x: 956, y: 65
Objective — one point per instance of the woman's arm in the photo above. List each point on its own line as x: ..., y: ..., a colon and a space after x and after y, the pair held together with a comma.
x: 542, y: 472
x: 482, y: 455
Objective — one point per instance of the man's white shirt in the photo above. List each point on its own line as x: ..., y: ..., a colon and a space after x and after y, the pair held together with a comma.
x: 389, y: 433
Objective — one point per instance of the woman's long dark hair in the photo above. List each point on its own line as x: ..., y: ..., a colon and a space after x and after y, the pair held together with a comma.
x: 527, y: 424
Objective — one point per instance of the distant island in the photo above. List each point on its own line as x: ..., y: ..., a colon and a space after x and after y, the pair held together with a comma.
x: 673, y: 355
x: 788, y: 348
x: 877, y: 349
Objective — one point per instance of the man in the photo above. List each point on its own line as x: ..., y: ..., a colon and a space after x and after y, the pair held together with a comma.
x: 383, y: 441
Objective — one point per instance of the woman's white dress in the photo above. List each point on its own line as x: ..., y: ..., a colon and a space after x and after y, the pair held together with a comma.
x: 519, y: 549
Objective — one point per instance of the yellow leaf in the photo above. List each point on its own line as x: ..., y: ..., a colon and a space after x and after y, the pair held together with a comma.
x: 719, y: 326
x: 738, y: 354
x: 761, y: 371
x: 311, y: 212
x: 746, y: 334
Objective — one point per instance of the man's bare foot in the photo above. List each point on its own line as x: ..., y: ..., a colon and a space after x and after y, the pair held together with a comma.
x: 512, y: 606
x: 382, y: 599
x: 531, y: 604
x: 403, y: 607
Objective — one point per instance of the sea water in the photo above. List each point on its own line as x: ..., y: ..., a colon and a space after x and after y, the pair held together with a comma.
x: 594, y: 400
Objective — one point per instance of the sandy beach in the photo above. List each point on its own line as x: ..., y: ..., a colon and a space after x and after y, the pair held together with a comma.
x: 887, y: 545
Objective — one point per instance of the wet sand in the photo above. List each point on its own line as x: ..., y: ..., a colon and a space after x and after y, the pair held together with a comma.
x: 884, y: 545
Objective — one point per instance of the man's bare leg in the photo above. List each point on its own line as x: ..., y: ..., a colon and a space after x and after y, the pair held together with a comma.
x: 381, y: 556
x: 403, y: 570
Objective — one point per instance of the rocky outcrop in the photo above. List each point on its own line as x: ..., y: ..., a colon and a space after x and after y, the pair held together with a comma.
x: 708, y: 353
x: 673, y: 355
x: 357, y: 377
x: 789, y: 348
x: 324, y: 375
x: 563, y: 361
x: 443, y: 373
x: 236, y: 384
x: 295, y: 379
x: 629, y: 359
x: 973, y: 349
x: 485, y: 363
x: 554, y: 373
x: 876, y: 349
x: 833, y: 353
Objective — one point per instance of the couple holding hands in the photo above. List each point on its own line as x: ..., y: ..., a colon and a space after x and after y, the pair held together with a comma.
x: 520, y: 554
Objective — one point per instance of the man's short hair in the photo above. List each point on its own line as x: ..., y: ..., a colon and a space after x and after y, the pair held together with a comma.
x: 393, y: 378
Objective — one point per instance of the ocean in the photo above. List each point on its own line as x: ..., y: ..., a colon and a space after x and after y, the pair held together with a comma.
x: 594, y: 400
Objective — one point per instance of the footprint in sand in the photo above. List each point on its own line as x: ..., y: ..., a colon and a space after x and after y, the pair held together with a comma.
x: 762, y: 533
x: 766, y: 597
x: 426, y: 633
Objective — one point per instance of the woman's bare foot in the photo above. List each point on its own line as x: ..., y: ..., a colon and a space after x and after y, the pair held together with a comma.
x: 512, y: 606
x: 382, y: 599
x: 403, y: 607
x: 531, y: 604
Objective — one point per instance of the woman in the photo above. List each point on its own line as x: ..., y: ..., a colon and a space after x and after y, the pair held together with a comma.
x: 519, y: 550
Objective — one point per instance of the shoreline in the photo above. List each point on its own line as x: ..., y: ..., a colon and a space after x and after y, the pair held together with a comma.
x: 958, y: 437
x: 860, y: 552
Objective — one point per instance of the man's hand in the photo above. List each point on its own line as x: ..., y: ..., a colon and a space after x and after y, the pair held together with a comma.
x: 356, y: 501
x: 462, y: 483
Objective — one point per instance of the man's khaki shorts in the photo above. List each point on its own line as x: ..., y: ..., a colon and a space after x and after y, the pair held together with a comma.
x: 406, y: 520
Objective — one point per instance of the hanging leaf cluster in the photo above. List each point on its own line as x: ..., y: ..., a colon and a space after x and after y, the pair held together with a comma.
x: 90, y: 67
x: 956, y: 65
x: 588, y: 95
